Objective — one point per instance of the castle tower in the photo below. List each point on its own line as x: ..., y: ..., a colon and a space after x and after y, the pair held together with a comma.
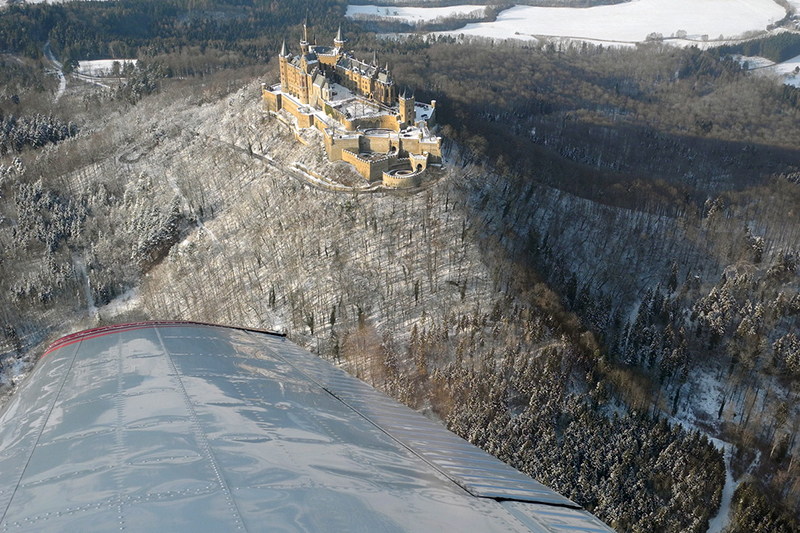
x: 283, y: 58
x: 339, y: 41
x: 407, y: 114
x: 304, y: 42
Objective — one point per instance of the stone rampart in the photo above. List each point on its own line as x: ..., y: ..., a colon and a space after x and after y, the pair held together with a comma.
x: 402, y: 179
x: 334, y: 145
x: 371, y: 168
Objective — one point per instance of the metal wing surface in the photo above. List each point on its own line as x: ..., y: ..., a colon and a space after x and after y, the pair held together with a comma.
x: 193, y: 427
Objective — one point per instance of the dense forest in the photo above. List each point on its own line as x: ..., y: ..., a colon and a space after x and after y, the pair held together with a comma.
x: 216, y: 34
x: 612, y: 249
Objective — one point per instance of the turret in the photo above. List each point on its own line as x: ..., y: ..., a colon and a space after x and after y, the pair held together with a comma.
x: 304, y: 42
x: 339, y: 41
x: 283, y: 58
x: 407, y: 114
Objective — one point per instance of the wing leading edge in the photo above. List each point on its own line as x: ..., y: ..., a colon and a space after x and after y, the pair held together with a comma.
x: 185, y: 426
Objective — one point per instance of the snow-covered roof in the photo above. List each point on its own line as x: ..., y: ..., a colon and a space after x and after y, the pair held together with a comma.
x: 422, y: 111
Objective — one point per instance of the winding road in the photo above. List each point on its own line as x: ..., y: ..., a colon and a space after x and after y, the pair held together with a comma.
x: 56, y: 65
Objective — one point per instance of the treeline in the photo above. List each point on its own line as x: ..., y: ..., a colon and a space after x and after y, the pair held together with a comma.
x: 778, y: 48
x: 131, y: 28
x: 753, y: 512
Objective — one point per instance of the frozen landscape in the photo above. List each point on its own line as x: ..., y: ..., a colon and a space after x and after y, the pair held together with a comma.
x: 632, y: 22
x: 609, y: 254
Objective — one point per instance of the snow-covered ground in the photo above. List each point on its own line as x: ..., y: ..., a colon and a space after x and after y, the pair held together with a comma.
x: 123, y: 303
x: 101, y: 67
x: 62, y: 81
x: 754, y: 62
x: 413, y: 15
x: 632, y: 22
x: 787, y: 71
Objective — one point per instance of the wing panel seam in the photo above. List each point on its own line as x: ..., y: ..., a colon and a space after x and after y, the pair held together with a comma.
x: 45, y: 419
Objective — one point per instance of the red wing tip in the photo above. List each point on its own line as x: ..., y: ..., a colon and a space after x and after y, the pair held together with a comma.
x: 116, y: 328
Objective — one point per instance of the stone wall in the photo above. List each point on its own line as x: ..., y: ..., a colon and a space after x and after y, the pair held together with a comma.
x: 387, y: 121
x: 272, y: 101
x: 371, y: 169
x: 335, y: 145
x: 380, y: 143
x: 406, y: 181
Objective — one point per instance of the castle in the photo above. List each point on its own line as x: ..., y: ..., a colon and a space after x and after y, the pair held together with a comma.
x: 387, y: 137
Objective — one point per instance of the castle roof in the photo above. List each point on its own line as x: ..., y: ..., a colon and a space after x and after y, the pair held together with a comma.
x: 323, y: 50
x: 349, y: 63
x: 320, y: 81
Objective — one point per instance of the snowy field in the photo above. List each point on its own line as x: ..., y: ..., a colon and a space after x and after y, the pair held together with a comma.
x: 413, y: 15
x: 100, y: 67
x: 632, y: 22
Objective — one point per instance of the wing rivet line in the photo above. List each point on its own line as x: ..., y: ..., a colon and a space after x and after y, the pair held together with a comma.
x: 200, y: 435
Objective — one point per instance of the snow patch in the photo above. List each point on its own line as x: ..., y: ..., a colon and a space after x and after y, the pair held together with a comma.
x: 122, y: 304
x: 718, y: 523
x: 413, y: 15
x: 101, y: 67
x: 753, y: 62
x: 789, y: 71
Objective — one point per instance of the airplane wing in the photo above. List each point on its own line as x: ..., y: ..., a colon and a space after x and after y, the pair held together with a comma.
x: 166, y: 426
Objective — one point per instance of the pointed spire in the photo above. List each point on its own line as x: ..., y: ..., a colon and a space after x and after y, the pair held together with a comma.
x: 374, y: 58
x: 284, y: 53
x: 305, y: 28
x: 338, y: 38
x: 387, y: 66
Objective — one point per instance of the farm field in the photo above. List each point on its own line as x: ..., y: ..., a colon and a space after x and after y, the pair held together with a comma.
x: 632, y: 22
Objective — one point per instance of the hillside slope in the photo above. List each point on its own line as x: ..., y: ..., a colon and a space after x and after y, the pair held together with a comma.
x: 184, y: 207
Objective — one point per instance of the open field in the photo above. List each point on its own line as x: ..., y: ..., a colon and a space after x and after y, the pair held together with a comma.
x: 632, y: 22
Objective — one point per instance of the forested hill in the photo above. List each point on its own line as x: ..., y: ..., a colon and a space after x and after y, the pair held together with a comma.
x: 230, y: 32
x: 611, y: 252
